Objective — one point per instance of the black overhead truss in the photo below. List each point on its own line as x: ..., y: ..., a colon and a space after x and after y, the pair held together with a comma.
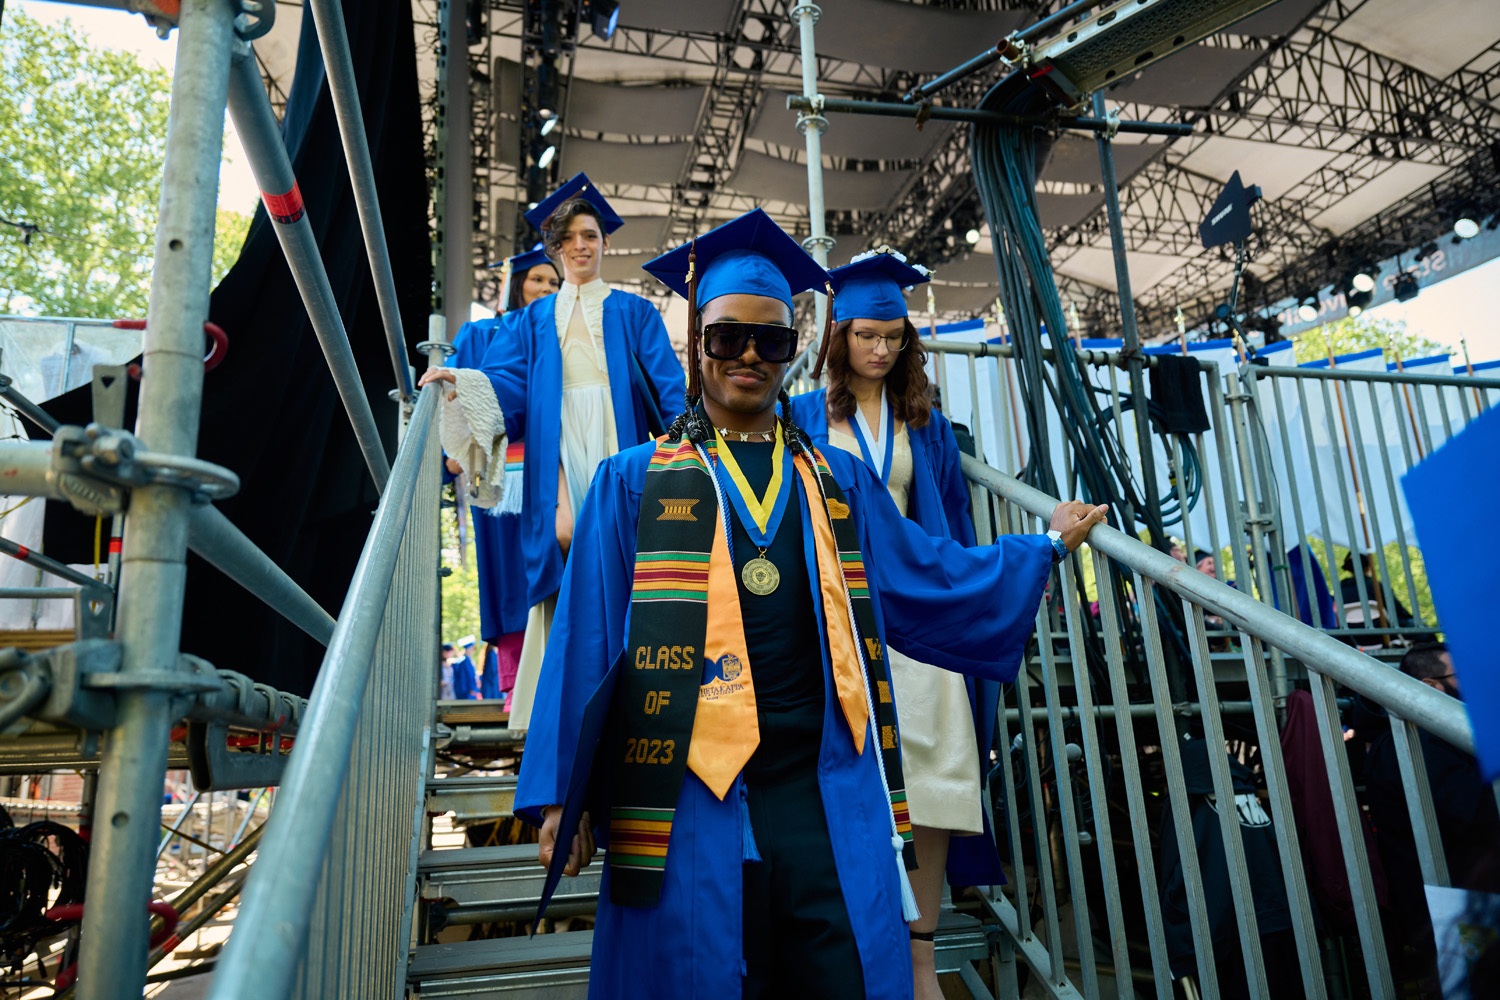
x: 1311, y: 89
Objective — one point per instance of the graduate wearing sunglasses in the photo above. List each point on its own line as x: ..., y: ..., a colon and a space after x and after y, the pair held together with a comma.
x: 716, y: 708
x: 581, y: 378
x: 877, y: 408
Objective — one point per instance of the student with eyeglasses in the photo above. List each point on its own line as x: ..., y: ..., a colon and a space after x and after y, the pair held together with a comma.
x: 877, y: 407
x: 577, y: 375
x: 716, y: 704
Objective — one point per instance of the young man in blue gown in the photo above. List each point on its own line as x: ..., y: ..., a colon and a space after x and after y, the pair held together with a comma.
x: 728, y: 600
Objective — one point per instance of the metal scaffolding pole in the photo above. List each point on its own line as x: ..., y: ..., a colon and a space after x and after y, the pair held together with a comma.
x: 214, y: 537
x: 812, y: 125
x: 113, y: 943
x: 457, y: 170
x: 333, y: 38
x: 251, y: 110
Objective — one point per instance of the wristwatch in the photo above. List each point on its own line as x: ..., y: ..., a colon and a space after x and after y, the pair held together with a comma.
x: 1059, y: 547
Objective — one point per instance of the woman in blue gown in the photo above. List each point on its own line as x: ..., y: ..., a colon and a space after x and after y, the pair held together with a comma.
x: 877, y: 408
x: 497, y: 531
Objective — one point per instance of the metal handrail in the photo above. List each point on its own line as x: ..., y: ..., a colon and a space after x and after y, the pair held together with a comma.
x: 262, y: 955
x: 1430, y: 709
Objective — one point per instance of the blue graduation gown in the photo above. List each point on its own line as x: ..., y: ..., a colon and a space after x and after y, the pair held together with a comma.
x: 489, y: 681
x: 939, y: 502
x: 526, y: 372
x: 497, y: 537
x: 465, y: 682
x: 966, y: 609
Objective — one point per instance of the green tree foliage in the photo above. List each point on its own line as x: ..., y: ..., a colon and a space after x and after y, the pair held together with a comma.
x: 1362, y: 333
x: 460, y: 588
x: 83, y: 139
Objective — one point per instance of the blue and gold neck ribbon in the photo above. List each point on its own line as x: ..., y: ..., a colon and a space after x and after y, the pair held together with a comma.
x: 760, y: 516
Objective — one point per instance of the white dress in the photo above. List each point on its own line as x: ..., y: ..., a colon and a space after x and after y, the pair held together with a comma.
x: 939, y: 752
x: 588, y: 438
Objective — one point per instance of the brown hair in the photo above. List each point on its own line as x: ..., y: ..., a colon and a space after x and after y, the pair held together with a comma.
x: 555, y: 226
x: 518, y: 283
x: 907, y: 381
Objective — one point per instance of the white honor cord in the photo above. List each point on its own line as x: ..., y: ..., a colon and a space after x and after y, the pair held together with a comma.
x: 877, y: 446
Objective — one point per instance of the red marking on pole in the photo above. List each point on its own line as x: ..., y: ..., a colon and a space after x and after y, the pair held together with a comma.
x: 22, y: 552
x: 285, y: 208
x: 115, y: 546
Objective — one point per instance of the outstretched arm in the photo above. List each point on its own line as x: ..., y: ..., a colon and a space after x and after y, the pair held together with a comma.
x: 964, y: 609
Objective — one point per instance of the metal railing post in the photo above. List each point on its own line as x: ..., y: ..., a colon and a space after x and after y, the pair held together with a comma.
x: 113, y: 943
x: 812, y: 125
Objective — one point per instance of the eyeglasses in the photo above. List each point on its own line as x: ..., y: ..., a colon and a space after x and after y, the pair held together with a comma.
x: 868, y: 340
x: 774, y: 343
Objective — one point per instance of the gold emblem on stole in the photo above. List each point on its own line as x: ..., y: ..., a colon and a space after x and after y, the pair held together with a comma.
x: 837, y: 509
x: 677, y: 510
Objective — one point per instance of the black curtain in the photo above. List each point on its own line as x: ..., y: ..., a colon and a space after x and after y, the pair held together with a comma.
x: 271, y: 411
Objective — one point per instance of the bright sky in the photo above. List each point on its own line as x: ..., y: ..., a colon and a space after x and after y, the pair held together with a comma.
x: 116, y: 29
x: 1459, y: 307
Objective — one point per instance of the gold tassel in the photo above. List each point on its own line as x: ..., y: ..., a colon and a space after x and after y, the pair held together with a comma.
x: 695, y: 389
x: 817, y: 371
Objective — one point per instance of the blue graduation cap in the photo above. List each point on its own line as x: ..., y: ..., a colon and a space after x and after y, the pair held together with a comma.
x: 750, y: 255
x: 523, y: 262
x: 873, y: 286
x: 578, y: 187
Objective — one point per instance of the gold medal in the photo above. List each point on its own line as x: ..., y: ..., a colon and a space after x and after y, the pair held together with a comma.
x: 760, y: 576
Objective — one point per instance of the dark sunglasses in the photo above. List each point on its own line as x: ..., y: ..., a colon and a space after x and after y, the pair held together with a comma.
x: 774, y: 343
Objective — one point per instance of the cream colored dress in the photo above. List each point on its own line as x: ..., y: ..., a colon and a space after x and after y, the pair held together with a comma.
x: 939, y: 753
x: 588, y: 438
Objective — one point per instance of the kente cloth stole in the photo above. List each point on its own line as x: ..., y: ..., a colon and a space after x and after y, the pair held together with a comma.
x: 686, y: 695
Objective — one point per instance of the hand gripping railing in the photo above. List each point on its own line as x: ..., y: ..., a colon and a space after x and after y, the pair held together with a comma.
x: 1327, y: 661
x: 331, y: 876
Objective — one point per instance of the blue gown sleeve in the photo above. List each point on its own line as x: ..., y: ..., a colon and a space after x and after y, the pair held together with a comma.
x: 588, y: 631
x: 507, y: 362
x: 969, y: 610
x: 952, y: 487
x: 659, y: 360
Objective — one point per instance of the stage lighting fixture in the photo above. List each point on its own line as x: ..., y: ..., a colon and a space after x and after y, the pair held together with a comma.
x: 603, y: 16
x: 1363, y: 280
x: 1359, y: 301
x: 1405, y: 287
x: 549, y: 122
x: 545, y: 160
x: 971, y: 237
x: 1308, y: 310
x: 1427, y: 250
x: 1467, y: 227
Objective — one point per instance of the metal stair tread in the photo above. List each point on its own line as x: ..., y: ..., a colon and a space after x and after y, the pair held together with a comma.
x: 500, y: 955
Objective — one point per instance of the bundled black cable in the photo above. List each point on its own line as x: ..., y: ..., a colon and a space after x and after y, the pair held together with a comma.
x: 1006, y: 164
x: 34, y: 860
